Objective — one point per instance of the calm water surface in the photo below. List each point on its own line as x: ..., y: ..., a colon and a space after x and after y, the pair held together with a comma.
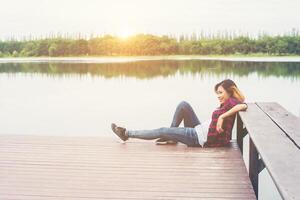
x: 81, y: 99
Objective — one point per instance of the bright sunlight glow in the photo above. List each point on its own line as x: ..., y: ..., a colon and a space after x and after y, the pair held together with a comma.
x: 125, y: 32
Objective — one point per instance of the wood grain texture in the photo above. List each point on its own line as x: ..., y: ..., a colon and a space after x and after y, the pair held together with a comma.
x: 278, y: 152
x: 288, y: 122
x: 48, y: 167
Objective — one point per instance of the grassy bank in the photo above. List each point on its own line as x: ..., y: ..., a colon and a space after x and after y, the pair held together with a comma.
x: 123, y: 59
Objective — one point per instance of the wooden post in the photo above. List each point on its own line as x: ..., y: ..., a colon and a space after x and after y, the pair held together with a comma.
x: 239, y: 137
x: 253, y: 166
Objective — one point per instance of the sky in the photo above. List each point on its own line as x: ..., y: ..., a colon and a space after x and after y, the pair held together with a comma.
x: 40, y: 18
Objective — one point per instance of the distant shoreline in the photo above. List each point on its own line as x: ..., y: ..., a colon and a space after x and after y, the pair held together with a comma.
x: 123, y: 59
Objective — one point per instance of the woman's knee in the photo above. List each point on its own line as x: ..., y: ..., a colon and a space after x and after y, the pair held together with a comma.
x: 183, y: 104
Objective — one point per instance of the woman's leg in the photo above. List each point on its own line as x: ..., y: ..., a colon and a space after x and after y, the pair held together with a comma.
x: 184, y: 135
x: 185, y: 112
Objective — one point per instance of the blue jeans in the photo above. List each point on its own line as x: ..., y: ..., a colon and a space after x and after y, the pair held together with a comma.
x: 186, y: 134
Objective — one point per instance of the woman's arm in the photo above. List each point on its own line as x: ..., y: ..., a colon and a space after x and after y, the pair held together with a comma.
x: 232, y: 111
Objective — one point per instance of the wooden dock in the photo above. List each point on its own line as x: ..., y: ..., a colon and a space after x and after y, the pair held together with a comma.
x: 44, y: 167
x: 274, y: 144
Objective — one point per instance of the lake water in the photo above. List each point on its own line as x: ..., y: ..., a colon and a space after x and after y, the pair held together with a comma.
x: 82, y: 99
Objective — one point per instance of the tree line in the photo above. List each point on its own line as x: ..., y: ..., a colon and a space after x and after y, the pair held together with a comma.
x: 147, y: 44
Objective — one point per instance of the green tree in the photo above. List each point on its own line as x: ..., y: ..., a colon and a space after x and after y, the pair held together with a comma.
x: 53, y: 50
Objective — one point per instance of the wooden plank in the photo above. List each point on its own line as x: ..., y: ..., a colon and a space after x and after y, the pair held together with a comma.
x: 239, y: 126
x: 279, y: 154
x: 253, y: 166
x: 103, y: 168
x: 283, y: 118
x: 32, y: 197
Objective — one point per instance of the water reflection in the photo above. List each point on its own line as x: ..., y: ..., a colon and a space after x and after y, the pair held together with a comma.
x: 83, y: 99
x: 164, y: 68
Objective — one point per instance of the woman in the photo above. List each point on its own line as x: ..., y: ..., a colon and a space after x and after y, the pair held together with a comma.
x: 211, y: 133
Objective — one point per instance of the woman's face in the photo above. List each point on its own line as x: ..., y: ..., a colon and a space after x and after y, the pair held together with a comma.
x: 222, y: 94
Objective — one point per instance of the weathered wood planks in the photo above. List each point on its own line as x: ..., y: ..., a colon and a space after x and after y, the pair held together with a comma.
x: 279, y: 153
x: 33, y: 167
x: 288, y: 122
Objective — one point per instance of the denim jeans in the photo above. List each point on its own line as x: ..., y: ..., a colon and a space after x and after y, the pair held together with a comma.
x: 187, y: 134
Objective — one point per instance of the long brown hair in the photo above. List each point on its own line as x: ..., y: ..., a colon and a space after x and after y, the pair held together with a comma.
x: 231, y: 88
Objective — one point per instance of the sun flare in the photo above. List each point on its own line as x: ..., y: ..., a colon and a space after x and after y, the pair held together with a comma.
x: 125, y: 33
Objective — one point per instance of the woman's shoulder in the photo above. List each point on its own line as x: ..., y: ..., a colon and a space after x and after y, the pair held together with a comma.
x: 231, y: 101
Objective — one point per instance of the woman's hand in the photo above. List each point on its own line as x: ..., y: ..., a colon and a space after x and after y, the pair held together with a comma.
x: 219, y: 124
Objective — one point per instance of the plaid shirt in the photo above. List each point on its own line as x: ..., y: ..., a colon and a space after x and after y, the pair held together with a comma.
x: 214, y: 138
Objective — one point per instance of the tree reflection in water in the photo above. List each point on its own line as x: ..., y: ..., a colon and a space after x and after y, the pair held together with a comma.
x: 154, y: 68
